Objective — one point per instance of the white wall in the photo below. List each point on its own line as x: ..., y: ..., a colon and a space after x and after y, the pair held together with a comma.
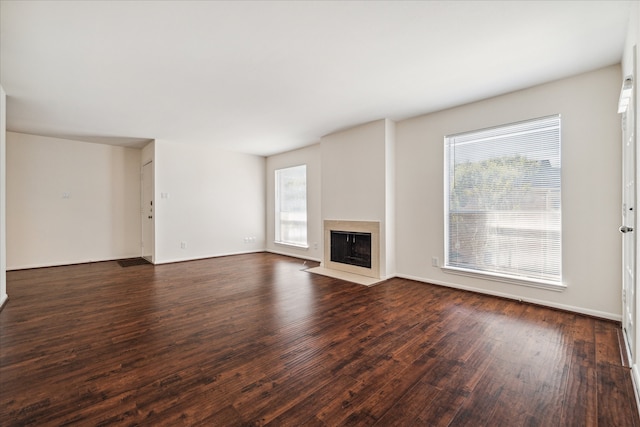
x: 355, y: 180
x: 3, y: 191
x: 100, y: 219
x: 309, y: 156
x: 591, y: 195
x: 215, y: 200
x: 390, y: 196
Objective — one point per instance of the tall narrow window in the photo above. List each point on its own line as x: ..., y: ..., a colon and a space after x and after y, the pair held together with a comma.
x: 502, y: 202
x: 291, y: 206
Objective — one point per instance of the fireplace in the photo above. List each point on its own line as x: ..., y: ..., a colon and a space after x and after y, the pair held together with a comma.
x: 352, y: 246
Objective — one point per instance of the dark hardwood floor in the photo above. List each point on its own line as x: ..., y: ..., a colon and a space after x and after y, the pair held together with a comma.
x: 254, y: 339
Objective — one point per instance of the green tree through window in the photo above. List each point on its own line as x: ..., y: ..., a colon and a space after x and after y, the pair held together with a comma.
x: 496, y: 184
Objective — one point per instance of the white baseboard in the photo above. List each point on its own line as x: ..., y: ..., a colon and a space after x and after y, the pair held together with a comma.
x: 173, y: 260
x: 292, y: 255
x: 165, y: 261
x: 60, y: 264
x: 581, y: 310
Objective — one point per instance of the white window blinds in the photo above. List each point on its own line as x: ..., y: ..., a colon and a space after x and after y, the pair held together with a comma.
x: 502, y: 201
x: 291, y: 205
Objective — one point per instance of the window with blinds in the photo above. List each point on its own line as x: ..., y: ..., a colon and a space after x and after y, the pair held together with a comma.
x: 503, y: 202
x: 291, y: 206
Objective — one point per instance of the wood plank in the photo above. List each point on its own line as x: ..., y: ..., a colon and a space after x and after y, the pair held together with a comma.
x: 255, y: 339
x: 614, y: 389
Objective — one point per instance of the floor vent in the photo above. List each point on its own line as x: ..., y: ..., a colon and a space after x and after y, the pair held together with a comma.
x: 132, y: 261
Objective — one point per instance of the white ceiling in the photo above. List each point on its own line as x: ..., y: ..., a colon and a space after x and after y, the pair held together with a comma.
x: 268, y: 76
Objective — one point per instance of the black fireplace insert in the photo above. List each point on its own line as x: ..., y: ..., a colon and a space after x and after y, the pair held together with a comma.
x: 351, y: 248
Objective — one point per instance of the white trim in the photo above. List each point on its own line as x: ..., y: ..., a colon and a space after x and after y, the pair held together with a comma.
x: 174, y: 260
x: 169, y: 261
x: 589, y: 312
x: 3, y: 299
x: 293, y: 245
x: 292, y: 255
x: 76, y: 262
x: 496, y: 277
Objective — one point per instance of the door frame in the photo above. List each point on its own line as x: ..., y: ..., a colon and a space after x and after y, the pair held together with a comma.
x: 144, y: 212
x: 632, y: 346
x: 628, y: 228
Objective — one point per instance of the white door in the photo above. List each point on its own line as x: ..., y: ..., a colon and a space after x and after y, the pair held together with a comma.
x: 629, y: 224
x: 147, y: 212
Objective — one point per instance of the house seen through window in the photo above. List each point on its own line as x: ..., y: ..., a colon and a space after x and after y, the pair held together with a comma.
x: 503, y: 202
x: 291, y: 206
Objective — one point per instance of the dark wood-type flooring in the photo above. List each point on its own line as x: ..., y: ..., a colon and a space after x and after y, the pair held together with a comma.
x: 254, y: 339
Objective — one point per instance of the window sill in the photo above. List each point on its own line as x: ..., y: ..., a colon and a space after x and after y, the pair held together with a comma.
x: 541, y: 284
x: 291, y: 245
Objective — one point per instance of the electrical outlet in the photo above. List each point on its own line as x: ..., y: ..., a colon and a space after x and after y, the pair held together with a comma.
x: 435, y: 262
x: 183, y: 245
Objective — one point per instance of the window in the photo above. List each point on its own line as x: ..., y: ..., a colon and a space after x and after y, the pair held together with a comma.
x: 291, y: 206
x: 502, y: 202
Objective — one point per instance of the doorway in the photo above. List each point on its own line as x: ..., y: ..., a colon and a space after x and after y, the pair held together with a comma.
x: 147, y: 212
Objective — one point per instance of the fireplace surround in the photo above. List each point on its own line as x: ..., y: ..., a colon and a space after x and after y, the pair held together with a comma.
x: 359, y: 251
